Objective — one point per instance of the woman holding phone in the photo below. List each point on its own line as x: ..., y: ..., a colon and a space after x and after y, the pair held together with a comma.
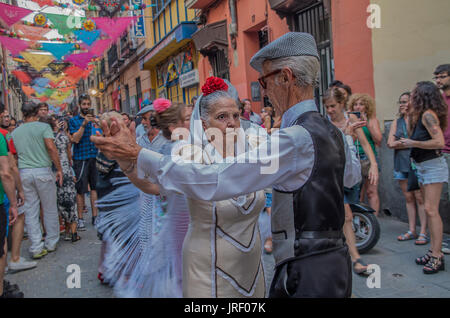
x: 349, y: 124
x: 365, y: 105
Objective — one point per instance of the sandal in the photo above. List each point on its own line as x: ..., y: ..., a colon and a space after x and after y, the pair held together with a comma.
x: 435, y: 265
x: 362, y: 272
x: 75, y: 237
x: 407, y: 236
x: 422, y: 240
x: 268, y: 247
x: 424, y: 259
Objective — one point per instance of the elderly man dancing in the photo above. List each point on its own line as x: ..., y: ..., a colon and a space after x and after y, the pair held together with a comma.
x: 312, y: 259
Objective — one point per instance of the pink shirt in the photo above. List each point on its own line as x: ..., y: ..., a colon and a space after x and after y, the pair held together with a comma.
x: 447, y: 132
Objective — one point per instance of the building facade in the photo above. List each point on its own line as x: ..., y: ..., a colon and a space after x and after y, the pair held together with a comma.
x: 230, y: 33
x: 382, y: 48
x: 171, y: 57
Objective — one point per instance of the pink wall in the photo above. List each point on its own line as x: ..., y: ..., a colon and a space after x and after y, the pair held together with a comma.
x: 352, y: 45
x: 252, y: 16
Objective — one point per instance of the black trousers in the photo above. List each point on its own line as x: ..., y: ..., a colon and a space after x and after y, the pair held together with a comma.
x: 327, y: 275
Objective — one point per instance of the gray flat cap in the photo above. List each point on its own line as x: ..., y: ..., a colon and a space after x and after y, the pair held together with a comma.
x: 146, y: 109
x: 290, y: 44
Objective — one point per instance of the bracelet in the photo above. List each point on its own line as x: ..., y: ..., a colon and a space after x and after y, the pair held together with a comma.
x: 130, y: 168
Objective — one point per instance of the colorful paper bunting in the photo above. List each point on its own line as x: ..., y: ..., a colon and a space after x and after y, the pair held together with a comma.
x: 22, y: 76
x: 40, y: 81
x: 111, y: 7
x: 59, y: 95
x: 65, y: 24
x: 87, y: 37
x: 39, y: 89
x: 81, y: 60
x: 30, y: 32
x: 74, y: 72
x: 99, y: 47
x: 58, y: 67
x: 15, y: 46
x: 42, y: 3
x: 12, y: 14
x: 114, y: 27
x: 58, y: 49
x: 27, y: 90
x: 53, y: 78
x: 38, y: 61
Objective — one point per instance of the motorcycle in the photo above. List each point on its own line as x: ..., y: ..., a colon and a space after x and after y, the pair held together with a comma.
x: 366, y: 227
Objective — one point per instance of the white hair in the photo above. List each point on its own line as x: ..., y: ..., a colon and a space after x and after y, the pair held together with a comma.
x: 305, y: 69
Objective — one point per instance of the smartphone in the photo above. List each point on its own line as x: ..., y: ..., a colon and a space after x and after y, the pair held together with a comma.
x: 397, y: 137
x: 358, y: 114
x: 91, y: 111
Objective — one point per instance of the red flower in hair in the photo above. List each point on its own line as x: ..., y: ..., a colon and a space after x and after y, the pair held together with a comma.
x: 214, y: 84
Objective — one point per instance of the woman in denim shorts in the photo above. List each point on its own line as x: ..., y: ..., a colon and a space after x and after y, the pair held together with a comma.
x: 402, y: 162
x: 429, y: 119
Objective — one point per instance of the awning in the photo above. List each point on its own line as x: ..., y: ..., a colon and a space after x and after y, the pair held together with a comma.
x: 211, y: 37
x: 176, y: 39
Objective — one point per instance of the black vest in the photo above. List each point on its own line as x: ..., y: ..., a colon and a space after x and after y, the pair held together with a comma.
x: 318, y: 206
x: 420, y: 133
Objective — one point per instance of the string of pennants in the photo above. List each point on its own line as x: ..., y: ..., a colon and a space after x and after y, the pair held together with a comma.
x: 49, y: 68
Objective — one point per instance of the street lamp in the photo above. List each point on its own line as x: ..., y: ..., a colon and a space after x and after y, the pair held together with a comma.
x: 93, y: 92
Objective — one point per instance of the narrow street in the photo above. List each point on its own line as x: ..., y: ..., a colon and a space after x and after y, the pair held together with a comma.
x: 400, y: 276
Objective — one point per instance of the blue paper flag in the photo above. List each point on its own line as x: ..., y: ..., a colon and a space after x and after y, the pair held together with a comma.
x: 41, y: 81
x: 87, y: 37
x: 39, y: 89
x: 58, y: 49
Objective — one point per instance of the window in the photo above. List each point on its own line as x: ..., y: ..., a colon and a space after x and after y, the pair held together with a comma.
x: 219, y: 64
x: 138, y: 91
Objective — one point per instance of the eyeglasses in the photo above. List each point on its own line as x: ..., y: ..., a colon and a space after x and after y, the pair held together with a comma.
x: 403, y: 102
x: 440, y: 77
x: 262, y: 79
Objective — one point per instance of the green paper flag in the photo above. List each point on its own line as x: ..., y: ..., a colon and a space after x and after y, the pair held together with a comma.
x: 64, y: 23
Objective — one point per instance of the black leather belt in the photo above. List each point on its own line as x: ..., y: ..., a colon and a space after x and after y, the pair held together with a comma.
x: 321, y: 234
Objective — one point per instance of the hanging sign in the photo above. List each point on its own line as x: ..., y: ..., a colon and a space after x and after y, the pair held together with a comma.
x: 139, y: 24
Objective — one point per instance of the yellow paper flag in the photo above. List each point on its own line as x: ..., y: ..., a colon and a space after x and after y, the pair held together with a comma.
x: 54, y: 78
x: 38, y: 61
x: 60, y: 96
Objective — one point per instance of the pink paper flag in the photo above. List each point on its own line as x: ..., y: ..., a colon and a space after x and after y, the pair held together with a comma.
x: 99, y: 47
x: 113, y: 27
x: 15, y: 46
x: 11, y: 14
x: 82, y: 60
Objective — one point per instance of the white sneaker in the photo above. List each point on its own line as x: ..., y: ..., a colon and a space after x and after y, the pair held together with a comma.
x: 22, y: 264
x: 81, y: 226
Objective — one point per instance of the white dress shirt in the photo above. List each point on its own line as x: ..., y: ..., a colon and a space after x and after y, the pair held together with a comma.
x: 284, y: 161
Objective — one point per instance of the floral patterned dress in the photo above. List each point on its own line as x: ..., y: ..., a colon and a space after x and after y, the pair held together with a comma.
x: 66, y: 194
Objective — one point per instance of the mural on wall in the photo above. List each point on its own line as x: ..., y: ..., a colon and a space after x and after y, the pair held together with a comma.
x: 169, y: 71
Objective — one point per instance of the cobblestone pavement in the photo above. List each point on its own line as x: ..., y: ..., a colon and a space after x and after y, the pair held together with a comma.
x: 400, y: 276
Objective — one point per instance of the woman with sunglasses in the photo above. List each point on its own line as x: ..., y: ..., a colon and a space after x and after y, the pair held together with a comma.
x: 414, y: 199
